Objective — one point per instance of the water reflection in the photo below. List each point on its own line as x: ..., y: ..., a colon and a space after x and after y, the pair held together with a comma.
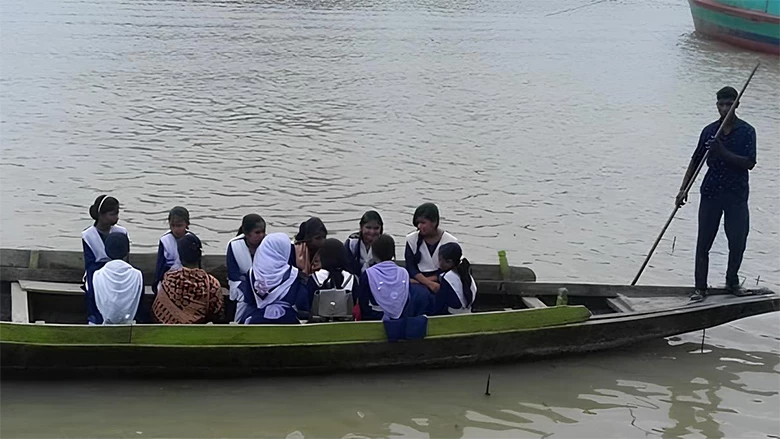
x: 683, y: 396
x: 615, y: 394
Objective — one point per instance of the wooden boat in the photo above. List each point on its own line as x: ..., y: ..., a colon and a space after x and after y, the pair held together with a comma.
x: 752, y: 24
x: 42, y: 332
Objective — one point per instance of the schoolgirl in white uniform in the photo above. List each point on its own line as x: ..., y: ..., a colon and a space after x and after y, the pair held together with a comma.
x: 105, y: 212
x: 422, y: 256
x: 239, y: 255
x: 168, y: 249
x: 358, y: 245
x: 457, y: 289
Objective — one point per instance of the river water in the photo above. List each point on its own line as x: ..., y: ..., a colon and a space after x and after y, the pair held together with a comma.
x: 556, y: 130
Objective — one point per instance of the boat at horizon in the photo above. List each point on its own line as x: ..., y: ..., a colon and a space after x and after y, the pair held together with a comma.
x: 750, y: 24
x: 43, y: 332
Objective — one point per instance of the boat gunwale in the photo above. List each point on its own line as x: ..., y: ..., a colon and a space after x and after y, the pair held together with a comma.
x: 269, y: 325
x: 592, y: 320
x: 685, y: 308
x: 294, y: 345
x: 748, y: 14
x: 516, y: 320
x: 67, y: 266
x: 67, y: 362
x: 651, y: 290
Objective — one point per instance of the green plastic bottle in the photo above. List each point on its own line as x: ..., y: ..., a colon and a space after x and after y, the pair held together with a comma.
x: 563, y: 297
x: 503, y: 264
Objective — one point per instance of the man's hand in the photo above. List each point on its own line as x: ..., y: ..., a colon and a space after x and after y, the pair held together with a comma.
x: 716, y: 147
x: 681, y: 199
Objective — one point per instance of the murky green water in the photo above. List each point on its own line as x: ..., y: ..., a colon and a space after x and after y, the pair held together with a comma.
x: 656, y: 389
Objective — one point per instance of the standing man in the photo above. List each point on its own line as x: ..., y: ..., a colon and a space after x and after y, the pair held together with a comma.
x: 724, y: 191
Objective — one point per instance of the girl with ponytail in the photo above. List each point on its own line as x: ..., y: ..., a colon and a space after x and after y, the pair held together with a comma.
x: 458, y: 289
x: 105, y: 212
x: 333, y: 274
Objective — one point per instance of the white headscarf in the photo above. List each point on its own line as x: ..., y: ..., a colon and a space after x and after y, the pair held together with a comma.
x: 118, y: 288
x: 270, y: 265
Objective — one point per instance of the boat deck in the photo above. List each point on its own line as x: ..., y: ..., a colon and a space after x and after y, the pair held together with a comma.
x: 645, y: 304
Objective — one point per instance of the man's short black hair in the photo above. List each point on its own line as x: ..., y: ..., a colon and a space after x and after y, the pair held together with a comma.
x: 727, y: 93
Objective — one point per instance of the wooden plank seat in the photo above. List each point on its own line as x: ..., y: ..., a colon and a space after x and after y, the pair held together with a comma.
x: 29, y: 301
x: 619, y: 304
x: 32, y: 286
x: 533, y: 302
x: 19, y: 307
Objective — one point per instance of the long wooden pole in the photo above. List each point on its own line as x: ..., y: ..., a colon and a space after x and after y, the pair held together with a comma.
x: 693, y: 177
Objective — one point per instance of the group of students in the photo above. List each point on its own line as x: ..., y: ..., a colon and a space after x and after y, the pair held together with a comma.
x: 273, y: 279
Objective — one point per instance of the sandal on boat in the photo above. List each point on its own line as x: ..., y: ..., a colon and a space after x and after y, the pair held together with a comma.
x: 698, y: 295
x: 737, y: 290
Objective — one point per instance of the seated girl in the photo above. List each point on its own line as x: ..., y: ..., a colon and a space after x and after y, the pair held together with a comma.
x: 383, y: 289
x: 240, y: 252
x: 358, y: 244
x: 189, y: 295
x: 167, y: 250
x: 422, y: 256
x: 105, y: 212
x: 118, y: 286
x: 273, y: 287
x: 308, y: 242
x: 457, y: 289
x: 333, y: 274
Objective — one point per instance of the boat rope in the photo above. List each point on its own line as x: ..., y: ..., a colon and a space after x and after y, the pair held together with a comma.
x: 575, y: 8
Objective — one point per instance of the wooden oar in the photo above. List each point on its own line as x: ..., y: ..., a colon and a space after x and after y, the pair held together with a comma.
x: 693, y: 177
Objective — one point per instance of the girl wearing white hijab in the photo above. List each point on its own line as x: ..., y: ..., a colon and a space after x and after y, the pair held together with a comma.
x: 118, y: 286
x: 273, y: 284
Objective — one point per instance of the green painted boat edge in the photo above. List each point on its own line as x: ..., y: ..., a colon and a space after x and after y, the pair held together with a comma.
x: 749, y: 5
x: 282, y: 335
x: 734, y: 22
x: 63, y: 334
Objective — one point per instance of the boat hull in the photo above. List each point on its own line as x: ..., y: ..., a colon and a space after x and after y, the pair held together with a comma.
x: 29, y: 359
x: 514, y: 319
x: 753, y: 30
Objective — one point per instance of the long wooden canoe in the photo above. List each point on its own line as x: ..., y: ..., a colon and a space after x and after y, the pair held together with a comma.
x: 516, y: 319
